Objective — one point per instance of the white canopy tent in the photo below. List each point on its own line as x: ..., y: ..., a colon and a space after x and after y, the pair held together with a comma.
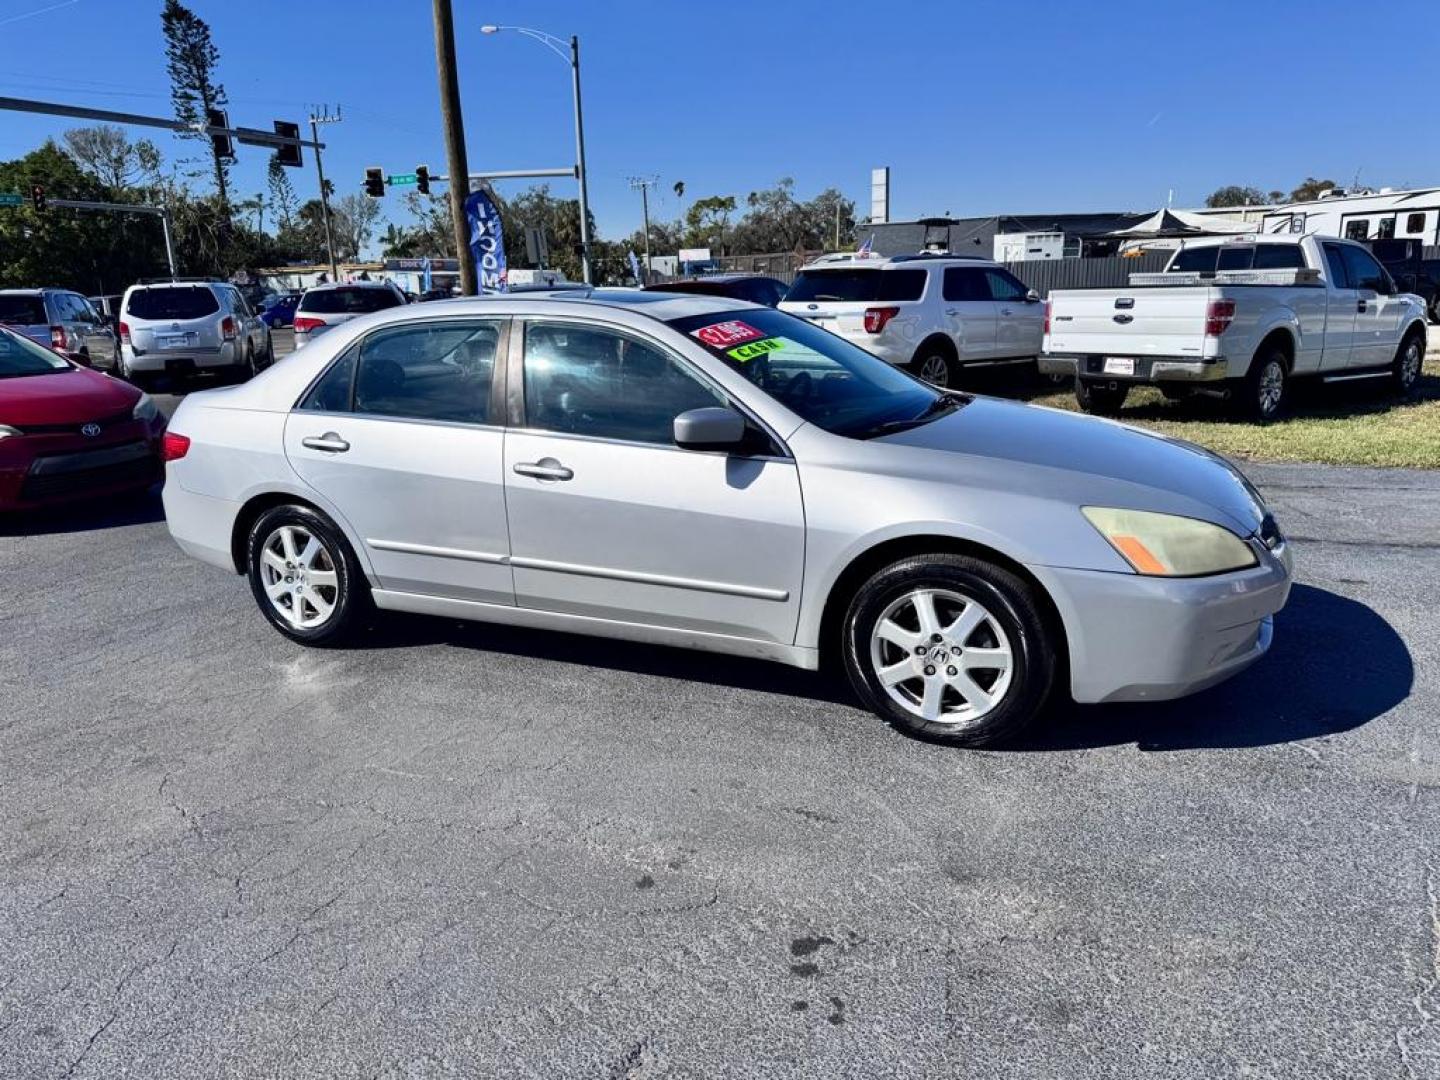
x: 1178, y: 225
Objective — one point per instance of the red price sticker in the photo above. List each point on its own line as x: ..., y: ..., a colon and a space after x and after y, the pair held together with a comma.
x: 722, y: 335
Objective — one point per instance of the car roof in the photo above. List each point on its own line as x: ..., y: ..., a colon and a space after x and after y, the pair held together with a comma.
x: 41, y: 291
x: 349, y: 285
x: 893, y: 261
x: 656, y: 305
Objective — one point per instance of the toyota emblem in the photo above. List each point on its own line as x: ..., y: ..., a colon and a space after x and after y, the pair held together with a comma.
x: 90, y: 430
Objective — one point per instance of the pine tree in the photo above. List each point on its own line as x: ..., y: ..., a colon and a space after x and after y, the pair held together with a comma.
x: 190, y: 59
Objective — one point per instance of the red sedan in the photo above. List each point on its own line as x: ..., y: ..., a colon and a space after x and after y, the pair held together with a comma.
x: 67, y: 432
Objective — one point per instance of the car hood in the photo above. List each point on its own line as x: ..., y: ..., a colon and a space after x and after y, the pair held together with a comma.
x: 1094, y: 459
x: 65, y: 397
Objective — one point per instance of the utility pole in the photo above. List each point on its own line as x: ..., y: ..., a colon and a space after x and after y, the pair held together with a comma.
x: 315, y: 121
x: 586, y: 271
x: 454, y: 124
x: 645, y: 183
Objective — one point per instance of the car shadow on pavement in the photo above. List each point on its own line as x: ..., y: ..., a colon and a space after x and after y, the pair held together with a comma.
x: 137, y: 508
x: 397, y: 630
x: 1335, y: 664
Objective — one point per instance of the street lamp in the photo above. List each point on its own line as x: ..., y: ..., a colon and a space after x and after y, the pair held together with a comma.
x: 557, y: 46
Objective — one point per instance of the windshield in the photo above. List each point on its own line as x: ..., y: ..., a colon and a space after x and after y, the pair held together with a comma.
x: 349, y: 301
x: 172, y: 302
x: 21, y: 356
x: 857, y: 286
x: 22, y: 310
x: 815, y: 374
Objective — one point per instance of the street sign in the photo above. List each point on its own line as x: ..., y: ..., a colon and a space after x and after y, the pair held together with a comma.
x: 400, y: 179
x: 6, y: 199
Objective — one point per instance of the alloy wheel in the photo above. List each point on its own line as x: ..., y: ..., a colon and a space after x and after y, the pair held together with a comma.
x: 298, y: 573
x: 1272, y: 387
x: 935, y: 370
x: 942, y: 656
x: 1410, y: 361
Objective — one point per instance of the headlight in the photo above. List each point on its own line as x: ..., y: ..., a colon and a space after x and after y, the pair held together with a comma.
x: 144, y: 408
x: 1165, y: 545
x: 6, y: 431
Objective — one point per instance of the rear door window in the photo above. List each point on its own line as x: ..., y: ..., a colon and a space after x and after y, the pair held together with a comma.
x: 857, y: 286
x: 22, y: 310
x: 343, y: 301
x: 964, y: 283
x: 172, y: 302
x: 429, y: 371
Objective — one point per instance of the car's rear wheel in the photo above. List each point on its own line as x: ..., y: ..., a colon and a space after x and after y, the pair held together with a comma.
x: 935, y: 366
x: 1100, y: 399
x: 305, y: 578
x: 949, y: 648
x: 1405, y: 371
x: 1264, y: 391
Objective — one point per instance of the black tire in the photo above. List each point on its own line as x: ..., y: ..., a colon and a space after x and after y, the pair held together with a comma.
x: 269, y: 350
x: 246, y: 371
x: 930, y: 360
x: 1100, y: 399
x: 1007, y: 599
x: 1258, y: 396
x: 1435, y: 308
x: 1409, y: 358
x: 350, y: 596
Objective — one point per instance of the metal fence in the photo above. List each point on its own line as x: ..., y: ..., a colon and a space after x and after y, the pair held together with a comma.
x: 1043, y: 275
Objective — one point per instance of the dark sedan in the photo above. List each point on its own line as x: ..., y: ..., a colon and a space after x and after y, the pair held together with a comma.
x: 755, y: 288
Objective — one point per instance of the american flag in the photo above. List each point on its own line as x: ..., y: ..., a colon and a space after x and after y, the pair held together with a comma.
x: 864, y: 252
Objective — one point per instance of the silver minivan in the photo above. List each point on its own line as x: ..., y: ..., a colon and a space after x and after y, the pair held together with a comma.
x: 330, y: 305
x: 61, y: 320
x: 183, y: 327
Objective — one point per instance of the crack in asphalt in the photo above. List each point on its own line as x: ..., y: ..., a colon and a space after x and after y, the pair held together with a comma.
x: 1429, y: 985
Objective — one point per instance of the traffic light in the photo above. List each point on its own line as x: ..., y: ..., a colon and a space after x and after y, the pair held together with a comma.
x: 220, y: 140
x: 37, y: 197
x: 375, y: 183
x: 422, y: 179
x: 291, y: 153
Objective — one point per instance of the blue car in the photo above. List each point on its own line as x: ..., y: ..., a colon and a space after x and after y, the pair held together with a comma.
x: 281, y: 311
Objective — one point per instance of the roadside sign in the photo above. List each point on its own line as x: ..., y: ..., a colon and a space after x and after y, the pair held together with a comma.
x: 7, y: 199
x: 400, y: 179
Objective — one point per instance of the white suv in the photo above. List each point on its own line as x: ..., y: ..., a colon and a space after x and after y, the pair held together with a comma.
x: 182, y: 327
x: 932, y: 313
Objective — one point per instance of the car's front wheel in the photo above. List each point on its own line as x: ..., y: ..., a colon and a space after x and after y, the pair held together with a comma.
x: 304, y: 575
x: 1409, y: 358
x: 950, y: 648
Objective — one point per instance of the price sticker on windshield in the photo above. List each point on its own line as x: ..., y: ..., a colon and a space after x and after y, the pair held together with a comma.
x: 722, y: 335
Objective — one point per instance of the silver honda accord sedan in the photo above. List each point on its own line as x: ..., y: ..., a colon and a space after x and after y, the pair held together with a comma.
x: 701, y: 472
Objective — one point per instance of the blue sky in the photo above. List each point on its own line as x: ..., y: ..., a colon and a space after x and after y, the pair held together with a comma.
x: 977, y: 107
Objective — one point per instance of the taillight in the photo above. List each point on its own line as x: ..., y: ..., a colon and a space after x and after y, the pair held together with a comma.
x: 174, y: 446
x: 1047, y: 318
x: 125, y: 333
x: 227, y: 326
x: 877, y: 317
x: 1218, y: 317
x: 58, y: 341
x: 304, y: 323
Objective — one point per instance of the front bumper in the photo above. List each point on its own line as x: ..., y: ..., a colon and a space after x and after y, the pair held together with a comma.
x: 51, y: 470
x: 1137, y: 638
x: 1148, y: 369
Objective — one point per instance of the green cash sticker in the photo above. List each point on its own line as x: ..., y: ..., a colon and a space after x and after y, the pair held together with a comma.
x: 751, y: 349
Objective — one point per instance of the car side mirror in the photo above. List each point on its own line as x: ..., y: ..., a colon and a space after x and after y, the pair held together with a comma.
x: 713, y: 428
x: 1032, y: 297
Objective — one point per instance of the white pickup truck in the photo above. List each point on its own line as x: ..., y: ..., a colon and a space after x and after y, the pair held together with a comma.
x: 1240, y: 316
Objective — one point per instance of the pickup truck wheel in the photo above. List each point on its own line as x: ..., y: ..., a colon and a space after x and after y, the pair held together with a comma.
x: 1098, y: 399
x: 1263, y: 392
x: 1405, y: 372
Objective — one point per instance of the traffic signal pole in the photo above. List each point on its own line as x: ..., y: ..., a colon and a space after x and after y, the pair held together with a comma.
x: 454, y: 125
x: 315, y: 121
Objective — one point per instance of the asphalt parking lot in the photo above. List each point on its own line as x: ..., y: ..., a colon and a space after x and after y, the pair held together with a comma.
x: 461, y: 850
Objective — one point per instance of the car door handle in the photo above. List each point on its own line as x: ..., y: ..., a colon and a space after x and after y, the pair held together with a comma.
x: 1359, y: 305
x: 544, y: 469
x: 329, y: 442
x: 952, y: 311
x: 1004, y: 311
